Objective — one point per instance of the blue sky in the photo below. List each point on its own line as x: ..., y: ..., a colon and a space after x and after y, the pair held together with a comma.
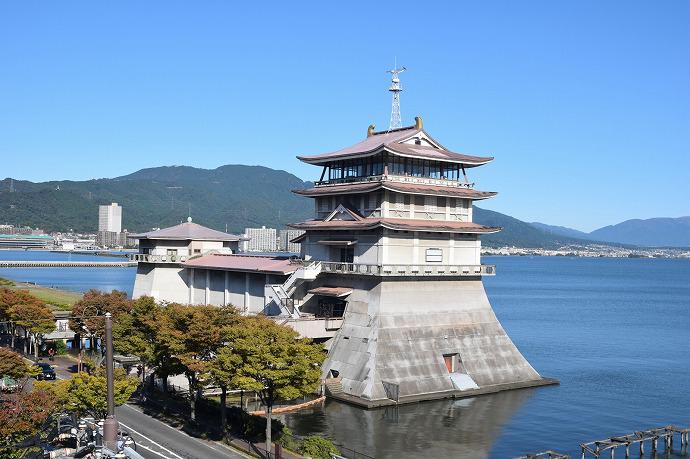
x: 584, y: 104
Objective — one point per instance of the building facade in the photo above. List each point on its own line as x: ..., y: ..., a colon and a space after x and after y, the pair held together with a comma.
x: 110, y: 218
x: 261, y: 239
x: 285, y: 238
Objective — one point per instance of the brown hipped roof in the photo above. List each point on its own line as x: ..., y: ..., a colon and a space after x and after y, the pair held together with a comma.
x: 400, y: 187
x: 244, y: 263
x: 391, y: 142
x: 400, y: 224
x: 188, y: 231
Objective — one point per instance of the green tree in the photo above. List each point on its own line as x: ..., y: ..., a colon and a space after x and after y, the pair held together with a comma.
x: 273, y: 361
x: 86, y: 394
x: 24, y: 421
x: 35, y: 318
x: 318, y: 448
x: 93, y: 304
x: 14, y: 365
x: 135, y: 332
x: 193, y: 335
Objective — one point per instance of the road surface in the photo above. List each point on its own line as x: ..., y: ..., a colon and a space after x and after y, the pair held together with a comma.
x: 155, y: 439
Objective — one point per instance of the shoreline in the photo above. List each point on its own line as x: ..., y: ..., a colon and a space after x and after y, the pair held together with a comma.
x: 57, y: 297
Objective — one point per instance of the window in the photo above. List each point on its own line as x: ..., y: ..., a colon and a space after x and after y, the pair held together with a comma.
x: 324, y: 204
x: 430, y: 204
x: 434, y: 255
x: 399, y: 201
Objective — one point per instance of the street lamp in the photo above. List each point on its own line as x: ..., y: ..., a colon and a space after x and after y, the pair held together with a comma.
x: 110, y: 425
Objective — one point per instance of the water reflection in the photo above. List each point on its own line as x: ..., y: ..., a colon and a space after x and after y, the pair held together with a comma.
x: 464, y: 428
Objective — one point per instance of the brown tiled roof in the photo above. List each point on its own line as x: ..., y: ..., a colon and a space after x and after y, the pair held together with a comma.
x: 400, y: 224
x: 245, y: 263
x: 391, y: 142
x: 331, y: 291
x: 188, y: 231
x: 401, y: 187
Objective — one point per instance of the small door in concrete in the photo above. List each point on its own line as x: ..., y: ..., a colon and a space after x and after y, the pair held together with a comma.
x: 449, y: 360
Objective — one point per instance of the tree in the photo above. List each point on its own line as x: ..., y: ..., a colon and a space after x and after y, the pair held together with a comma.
x: 87, y: 394
x: 10, y: 299
x: 14, y: 365
x: 35, y: 318
x: 95, y: 303
x: 193, y: 335
x: 273, y: 361
x: 135, y: 332
x: 24, y: 421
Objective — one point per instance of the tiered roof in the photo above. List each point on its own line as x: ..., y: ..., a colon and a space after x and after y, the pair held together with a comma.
x: 244, y: 263
x: 400, y: 224
x: 400, y: 187
x: 393, y: 142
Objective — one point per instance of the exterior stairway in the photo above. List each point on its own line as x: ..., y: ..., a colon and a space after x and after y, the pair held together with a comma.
x: 281, y: 294
x: 334, y: 386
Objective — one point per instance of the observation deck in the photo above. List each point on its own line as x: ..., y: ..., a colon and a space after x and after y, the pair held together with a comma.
x: 408, y: 270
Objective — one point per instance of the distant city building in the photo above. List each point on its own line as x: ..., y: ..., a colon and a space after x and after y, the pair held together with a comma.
x: 110, y: 218
x: 11, y: 229
x: 25, y: 241
x: 284, y: 238
x: 261, y: 239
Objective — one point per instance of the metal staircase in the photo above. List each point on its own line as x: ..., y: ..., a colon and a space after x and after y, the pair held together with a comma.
x: 281, y: 294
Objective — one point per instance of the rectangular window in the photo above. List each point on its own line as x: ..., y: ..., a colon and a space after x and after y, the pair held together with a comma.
x: 441, y: 203
x: 434, y: 255
x: 399, y: 201
x: 430, y: 204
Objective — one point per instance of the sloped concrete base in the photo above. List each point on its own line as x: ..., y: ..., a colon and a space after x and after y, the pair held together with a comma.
x: 396, y: 333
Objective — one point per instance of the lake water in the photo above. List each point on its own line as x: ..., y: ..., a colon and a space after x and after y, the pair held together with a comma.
x: 615, y: 332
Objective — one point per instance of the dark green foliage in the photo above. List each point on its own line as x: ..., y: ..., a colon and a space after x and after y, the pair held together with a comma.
x: 236, y: 195
x: 318, y: 448
x: 249, y: 426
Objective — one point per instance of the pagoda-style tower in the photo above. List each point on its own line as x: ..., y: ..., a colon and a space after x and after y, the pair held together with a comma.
x: 399, y: 259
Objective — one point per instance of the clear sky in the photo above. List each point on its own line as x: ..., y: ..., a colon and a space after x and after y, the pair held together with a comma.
x: 584, y: 104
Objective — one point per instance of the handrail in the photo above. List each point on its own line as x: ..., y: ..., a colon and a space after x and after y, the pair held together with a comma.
x: 396, y: 178
x: 408, y: 269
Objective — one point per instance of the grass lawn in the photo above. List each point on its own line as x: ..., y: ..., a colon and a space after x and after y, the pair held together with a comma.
x: 61, y: 299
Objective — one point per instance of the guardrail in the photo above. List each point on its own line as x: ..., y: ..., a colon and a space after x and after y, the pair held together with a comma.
x: 408, y: 270
x: 66, y: 264
x: 397, y: 178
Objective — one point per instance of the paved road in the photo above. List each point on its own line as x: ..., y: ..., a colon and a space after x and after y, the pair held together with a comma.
x: 155, y: 439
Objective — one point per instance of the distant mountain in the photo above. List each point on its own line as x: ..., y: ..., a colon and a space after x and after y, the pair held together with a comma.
x: 561, y: 230
x: 653, y: 232
x: 248, y: 196
x: 233, y: 195
x: 518, y: 233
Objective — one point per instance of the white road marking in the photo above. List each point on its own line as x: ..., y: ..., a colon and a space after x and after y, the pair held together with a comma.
x: 173, y: 428
x: 150, y: 440
x: 154, y: 452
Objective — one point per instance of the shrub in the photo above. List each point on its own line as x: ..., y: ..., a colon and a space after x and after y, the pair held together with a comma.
x: 287, y: 440
x: 318, y: 448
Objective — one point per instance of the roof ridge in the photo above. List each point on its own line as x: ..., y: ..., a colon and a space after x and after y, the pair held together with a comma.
x: 405, y: 128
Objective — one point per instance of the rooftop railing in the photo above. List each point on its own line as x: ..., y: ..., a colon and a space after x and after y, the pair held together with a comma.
x: 397, y: 178
x: 149, y: 258
x: 408, y: 270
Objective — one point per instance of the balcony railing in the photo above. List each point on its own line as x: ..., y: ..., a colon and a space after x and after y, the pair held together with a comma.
x: 408, y: 270
x: 150, y: 258
x: 397, y: 178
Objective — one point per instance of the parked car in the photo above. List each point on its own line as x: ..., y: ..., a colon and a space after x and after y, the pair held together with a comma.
x: 8, y: 384
x: 47, y: 372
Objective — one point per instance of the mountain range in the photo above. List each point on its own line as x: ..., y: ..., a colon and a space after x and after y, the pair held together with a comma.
x: 652, y: 232
x: 234, y: 197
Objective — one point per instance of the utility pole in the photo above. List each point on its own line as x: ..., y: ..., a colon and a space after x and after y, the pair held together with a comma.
x: 110, y: 425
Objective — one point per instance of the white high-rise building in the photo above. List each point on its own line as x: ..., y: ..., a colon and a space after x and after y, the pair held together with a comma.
x: 262, y: 239
x: 110, y: 218
x: 287, y: 235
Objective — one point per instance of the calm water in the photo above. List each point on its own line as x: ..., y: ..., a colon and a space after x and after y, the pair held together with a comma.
x: 73, y: 279
x: 614, y: 331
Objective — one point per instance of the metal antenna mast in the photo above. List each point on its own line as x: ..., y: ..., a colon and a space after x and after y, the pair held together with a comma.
x: 396, y: 121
